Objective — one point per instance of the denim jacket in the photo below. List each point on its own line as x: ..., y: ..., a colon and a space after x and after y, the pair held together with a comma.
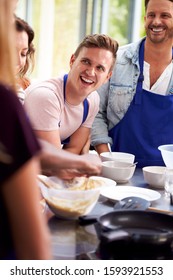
x: 117, y: 94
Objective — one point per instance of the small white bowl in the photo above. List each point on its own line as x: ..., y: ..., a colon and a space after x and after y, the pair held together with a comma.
x: 117, y: 156
x: 154, y: 176
x: 119, y: 171
x: 167, y: 154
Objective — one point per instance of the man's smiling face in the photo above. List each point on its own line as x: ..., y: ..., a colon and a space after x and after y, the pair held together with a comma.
x: 159, y: 20
x: 90, y: 69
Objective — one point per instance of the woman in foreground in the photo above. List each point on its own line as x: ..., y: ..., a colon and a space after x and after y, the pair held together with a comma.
x: 23, y: 230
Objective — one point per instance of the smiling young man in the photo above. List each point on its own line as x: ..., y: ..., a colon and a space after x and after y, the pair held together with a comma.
x: 136, y: 105
x: 62, y: 109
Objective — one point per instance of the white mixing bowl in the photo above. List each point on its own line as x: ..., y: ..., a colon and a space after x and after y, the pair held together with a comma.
x: 167, y: 154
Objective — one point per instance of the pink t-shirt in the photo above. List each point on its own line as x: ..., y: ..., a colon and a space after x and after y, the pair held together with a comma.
x: 47, y: 110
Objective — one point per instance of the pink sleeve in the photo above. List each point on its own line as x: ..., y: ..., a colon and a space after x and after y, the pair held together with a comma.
x: 43, y: 108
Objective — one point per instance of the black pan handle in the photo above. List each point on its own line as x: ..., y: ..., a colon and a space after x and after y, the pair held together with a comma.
x: 89, y: 219
x: 86, y: 220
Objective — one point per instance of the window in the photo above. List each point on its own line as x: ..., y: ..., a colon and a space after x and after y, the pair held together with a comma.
x: 60, y: 25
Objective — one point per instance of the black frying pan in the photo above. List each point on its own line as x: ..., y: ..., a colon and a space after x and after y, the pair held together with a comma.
x: 136, y: 226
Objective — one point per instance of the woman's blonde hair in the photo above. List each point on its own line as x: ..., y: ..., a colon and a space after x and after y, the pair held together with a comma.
x: 7, y: 46
x: 21, y: 25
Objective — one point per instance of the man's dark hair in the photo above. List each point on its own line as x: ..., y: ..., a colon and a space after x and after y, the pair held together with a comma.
x: 147, y: 1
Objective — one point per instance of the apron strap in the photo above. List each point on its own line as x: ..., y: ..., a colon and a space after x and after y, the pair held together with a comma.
x: 137, y: 98
x: 85, y: 111
x: 85, y: 102
x: 65, y: 82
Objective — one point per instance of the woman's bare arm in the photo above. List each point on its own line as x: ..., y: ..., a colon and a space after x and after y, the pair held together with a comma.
x: 28, y: 224
x: 68, y: 165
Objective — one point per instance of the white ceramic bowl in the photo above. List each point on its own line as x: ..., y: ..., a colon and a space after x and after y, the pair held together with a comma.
x: 69, y: 203
x: 120, y: 171
x: 154, y: 176
x: 167, y: 154
x: 117, y: 156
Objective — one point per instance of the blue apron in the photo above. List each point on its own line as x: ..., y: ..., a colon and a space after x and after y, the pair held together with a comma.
x: 147, y: 124
x: 85, y: 112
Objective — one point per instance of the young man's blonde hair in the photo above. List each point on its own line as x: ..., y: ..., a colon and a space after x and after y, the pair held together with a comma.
x: 7, y: 45
x: 100, y: 41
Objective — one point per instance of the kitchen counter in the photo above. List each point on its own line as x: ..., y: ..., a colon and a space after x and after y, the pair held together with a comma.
x: 71, y: 240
